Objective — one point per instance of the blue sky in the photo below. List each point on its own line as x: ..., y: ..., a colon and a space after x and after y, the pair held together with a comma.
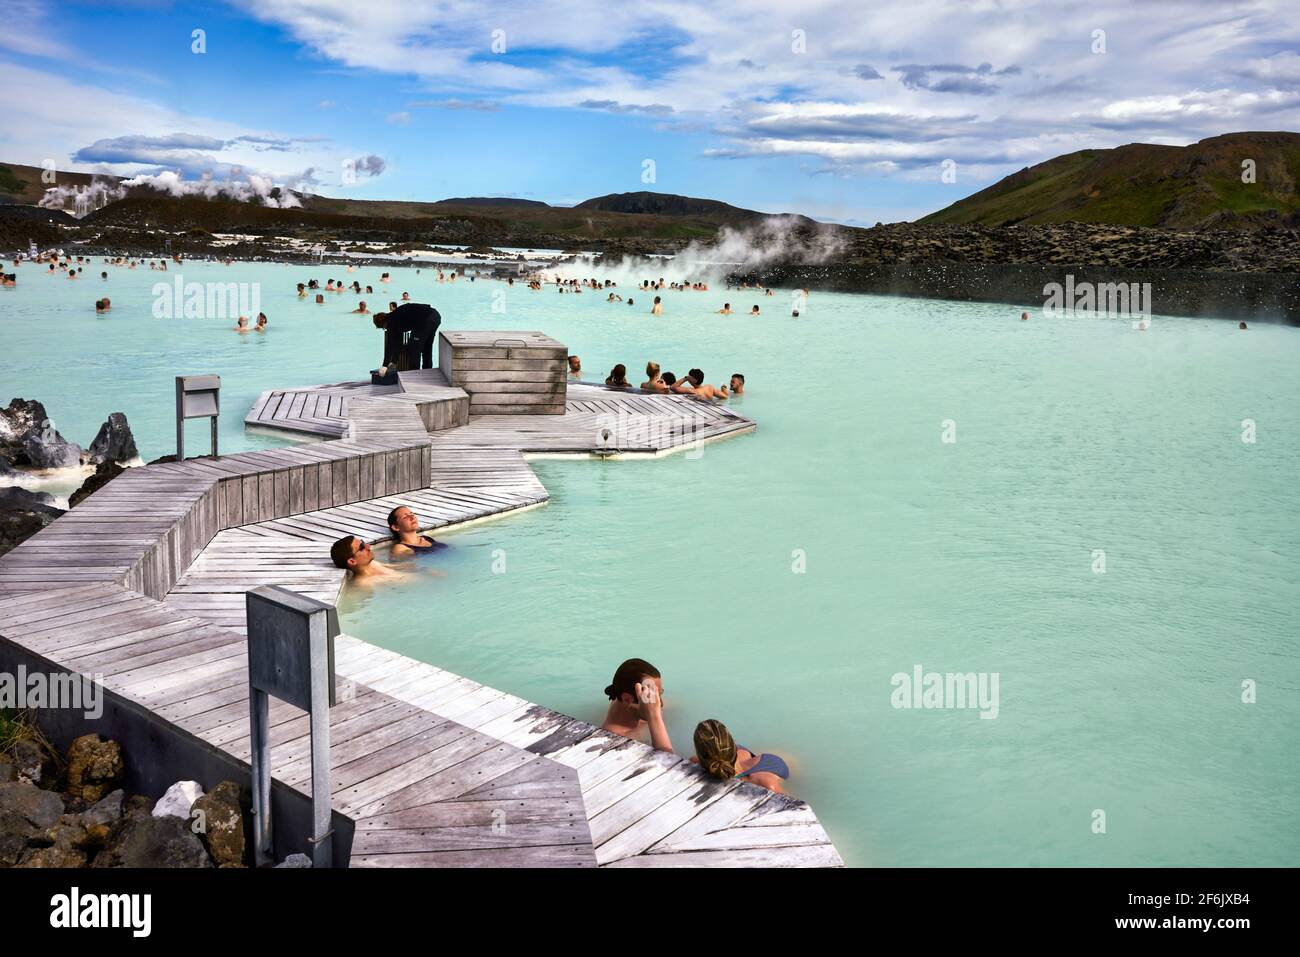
x: 839, y: 110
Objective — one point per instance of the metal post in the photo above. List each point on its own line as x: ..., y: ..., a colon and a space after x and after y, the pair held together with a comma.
x: 291, y: 656
x: 258, y: 715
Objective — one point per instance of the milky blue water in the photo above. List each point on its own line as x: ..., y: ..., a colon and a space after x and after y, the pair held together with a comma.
x: 1119, y: 690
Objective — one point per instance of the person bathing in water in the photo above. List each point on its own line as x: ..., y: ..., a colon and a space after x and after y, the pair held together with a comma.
x: 695, y: 385
x: 717, y: 753
x: 636, y: 701
x: 407, y: 540
x: 355, y: 555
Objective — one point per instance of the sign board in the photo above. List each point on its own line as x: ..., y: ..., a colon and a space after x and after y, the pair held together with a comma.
x: 197, y: 397
x: 289, y: 636
x: 291, y: 657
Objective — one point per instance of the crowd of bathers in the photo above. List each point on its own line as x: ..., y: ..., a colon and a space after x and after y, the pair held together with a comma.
x: 636, y: 706
x: 662, y: 381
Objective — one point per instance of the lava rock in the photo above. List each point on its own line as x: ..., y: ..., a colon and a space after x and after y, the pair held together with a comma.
x: 26, y: 813
x: 33, y: 763
x: 179, y: 800
x: 138, y: 841
x: 23, y: 514
x: 294, y: 860
x: 104, y: 473
x: 8, y: 772
x: 28, y: 437
x: 220, y: 822
x: 113, y: 443
x: 94, y: 767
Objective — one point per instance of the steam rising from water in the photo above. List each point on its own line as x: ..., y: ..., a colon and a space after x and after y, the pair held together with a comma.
x: 776, y: 239
x: 82, y: 200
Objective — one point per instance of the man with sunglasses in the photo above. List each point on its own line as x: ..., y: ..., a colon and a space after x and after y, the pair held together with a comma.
x: 355, y: 555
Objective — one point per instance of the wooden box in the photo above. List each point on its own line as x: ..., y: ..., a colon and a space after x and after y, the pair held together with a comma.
x: 506, y: 373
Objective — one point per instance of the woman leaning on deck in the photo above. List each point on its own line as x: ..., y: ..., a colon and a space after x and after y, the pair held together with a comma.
x: 717, y: 753
x: 636, y: 699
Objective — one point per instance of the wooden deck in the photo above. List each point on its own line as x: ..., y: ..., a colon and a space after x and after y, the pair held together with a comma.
x: 142, y: 587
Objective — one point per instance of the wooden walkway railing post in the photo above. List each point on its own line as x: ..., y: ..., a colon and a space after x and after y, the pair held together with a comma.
x: 291, y: 656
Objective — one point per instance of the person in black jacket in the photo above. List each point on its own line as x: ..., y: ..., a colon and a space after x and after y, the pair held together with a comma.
x: 409, y: 331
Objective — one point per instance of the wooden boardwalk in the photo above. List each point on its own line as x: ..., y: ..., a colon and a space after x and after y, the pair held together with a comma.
x: 142, y: 587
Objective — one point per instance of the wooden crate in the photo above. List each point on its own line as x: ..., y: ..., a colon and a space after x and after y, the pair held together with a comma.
x: 506, y: 373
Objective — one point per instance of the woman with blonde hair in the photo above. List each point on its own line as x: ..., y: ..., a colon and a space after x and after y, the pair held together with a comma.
x: 653, y: 383
x: 717, y: 753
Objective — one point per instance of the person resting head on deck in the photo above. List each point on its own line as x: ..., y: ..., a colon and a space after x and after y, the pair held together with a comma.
x: 575, y: 367
x: 636, y: 699
x: 355, y: 555
x: 668, y: 379
x: 737, y: 384
x: 653, y: 383
x: 407, y: 540
x: 617, y: 378
x: 695, y: 385
x: 718, y: 754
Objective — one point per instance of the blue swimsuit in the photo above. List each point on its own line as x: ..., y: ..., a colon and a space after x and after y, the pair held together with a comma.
x: 771, y: 763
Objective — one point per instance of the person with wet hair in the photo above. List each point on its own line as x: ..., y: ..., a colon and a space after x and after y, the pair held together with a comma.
x: 617, y: 378
x: 407, y: 540
x: 575, y: 367
x: 355, y: 555
x: 653, y: 383
x: 636, y: 702
x: 695, y: 385
x: 718, y: 754
x: 737, y: 384
x: 669, y: 379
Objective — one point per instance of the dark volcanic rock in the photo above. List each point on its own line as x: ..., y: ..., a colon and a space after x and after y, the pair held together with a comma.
x: 113, y: 443
x: 32, y: 762
x: 23, y: 514
x: 26, y: 812
x: 139, y: 841
x: 104, y: 473
x: 28, y: 437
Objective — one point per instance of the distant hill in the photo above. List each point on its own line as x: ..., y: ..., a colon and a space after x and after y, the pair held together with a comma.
x: 670, y: 204
x: 1174, y: 187
x: 23, y: 184
x: 491, y: 201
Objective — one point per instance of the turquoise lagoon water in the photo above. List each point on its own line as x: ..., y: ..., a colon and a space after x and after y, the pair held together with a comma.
x: 1119, y: 691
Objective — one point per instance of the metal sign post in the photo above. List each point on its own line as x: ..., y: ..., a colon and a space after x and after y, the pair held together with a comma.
x: 197, y: 397
x: 291, y: 656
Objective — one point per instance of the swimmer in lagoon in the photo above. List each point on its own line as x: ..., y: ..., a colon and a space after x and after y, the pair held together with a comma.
x: 356, y: 556
x: 407, y: 540
x: 1024, y: 317
x: 754, y: 311
x: 737, y: 384
x: 653, y: 383
x: 361, y: 309
x: 658, y: 308
x: 718, y: 754
x: 241, y: 326
x: 617, y: 378
x: 575, y: 367
x: 636, y: 700
x: 261, y: 322
x: 725, y: 310
x: 695, y: 385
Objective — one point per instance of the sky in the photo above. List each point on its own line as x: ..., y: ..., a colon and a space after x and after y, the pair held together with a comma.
x: 844, y: 111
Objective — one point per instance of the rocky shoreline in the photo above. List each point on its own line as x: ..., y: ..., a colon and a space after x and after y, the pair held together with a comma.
x: 29, y: 439
x: 69, y: 812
